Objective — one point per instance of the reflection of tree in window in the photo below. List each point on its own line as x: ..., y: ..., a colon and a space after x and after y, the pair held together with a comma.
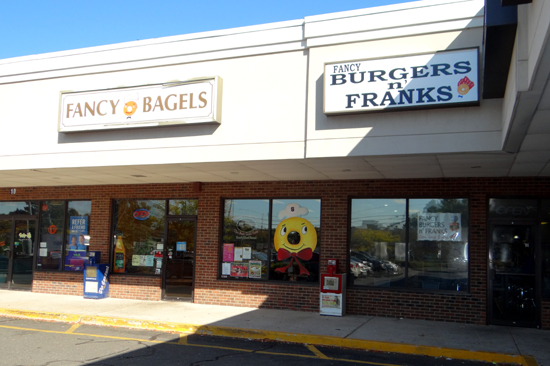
x: 139, y: 236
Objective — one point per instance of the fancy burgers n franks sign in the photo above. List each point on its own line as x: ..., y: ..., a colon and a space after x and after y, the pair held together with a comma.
x: 419, y: 81
x: 192, y: 101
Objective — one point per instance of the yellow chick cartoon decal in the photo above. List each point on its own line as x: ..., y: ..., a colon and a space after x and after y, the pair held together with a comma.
x: 295, y: 238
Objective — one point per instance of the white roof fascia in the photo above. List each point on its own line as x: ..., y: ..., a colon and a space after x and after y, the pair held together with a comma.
x: 424, y: 12
x: 396, y: 32
x: 246, y: 41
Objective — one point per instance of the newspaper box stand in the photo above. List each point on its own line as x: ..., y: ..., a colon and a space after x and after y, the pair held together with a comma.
x: 333, y: 291
x: 96, y: 281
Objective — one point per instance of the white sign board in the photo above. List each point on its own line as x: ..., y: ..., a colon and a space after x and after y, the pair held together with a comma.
x: 419, y: 81
x: 193, y: 101
x: 440, y: 227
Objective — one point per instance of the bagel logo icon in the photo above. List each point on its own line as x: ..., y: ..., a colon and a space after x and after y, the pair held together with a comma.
x: 130, y: 107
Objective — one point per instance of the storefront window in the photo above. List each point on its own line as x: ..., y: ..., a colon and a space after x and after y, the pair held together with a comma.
x: 138, y: 235
x: 61, y: 224
x: 19, y: 208
x: 377, y: 248
x: 245, y: 247
x: 438, y: 237
x: 296, y: 233
x: 271, y: 239
x: 183, y: 207
x: 433, y: 232
x: 52, y: 219
x: 78, y: 235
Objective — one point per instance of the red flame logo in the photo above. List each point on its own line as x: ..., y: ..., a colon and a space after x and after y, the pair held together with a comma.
x: 465, y: 85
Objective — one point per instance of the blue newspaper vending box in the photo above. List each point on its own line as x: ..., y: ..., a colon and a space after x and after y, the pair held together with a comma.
x: 96, y: 281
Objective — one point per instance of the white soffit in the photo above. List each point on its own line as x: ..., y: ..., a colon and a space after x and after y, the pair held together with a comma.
x: 345, y: 168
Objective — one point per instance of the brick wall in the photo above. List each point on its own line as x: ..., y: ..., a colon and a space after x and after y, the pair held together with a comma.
x: 460, y: 307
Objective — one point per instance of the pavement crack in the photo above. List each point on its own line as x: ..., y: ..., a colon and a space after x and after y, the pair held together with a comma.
x: 359, y: 326
x: 514, y: 339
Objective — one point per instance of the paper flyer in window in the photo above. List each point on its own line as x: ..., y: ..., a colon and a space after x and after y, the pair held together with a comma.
x: 143, y: 260
x: 228, y: 252
x: 238, y: 254
x: 439, y: 226
x: 135, y: 260
x: 226, y: 269
x: 43, y: 252
x: 149, y: 260
x: 239, y: 269
x: 181, y: 246
x: 255, y: 269
x: 247, y: 253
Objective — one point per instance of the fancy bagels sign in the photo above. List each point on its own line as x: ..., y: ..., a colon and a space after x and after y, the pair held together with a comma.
x: 419, y: 81
x: 191, y: 101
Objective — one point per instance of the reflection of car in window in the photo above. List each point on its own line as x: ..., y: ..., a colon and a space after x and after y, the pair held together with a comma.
x: 259, y: 256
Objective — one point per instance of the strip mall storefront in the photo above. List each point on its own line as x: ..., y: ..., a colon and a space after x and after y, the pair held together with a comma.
x: 226, y: 190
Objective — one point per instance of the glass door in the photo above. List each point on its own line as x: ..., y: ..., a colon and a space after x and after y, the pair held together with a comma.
x: 512, y: 296
x: 5, y: 252
x: 17, y: 253
x: 179, y: 252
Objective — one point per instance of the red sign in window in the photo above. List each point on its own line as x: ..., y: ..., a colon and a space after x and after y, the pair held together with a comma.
x: 141, y: 214
x: 52, y: 229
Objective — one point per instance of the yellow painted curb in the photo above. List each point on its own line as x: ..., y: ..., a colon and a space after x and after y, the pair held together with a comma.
x: 276, y: 336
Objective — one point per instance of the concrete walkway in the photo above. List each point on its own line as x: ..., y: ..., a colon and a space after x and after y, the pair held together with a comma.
x: 460, y: 341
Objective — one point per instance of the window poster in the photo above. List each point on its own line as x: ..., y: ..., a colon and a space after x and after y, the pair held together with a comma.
x: 239, y: 269
x: 247, y: 253
x: 228, y: 252
x: 439, y: 226
x: 181, y: 246
x: 79, y: 233
x: 255, y: 269
x: 226, y: 269
x: 238, y: 254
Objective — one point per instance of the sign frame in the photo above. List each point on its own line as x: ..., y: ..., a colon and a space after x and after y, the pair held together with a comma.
x: 122, y: 119
x: 341, y: 111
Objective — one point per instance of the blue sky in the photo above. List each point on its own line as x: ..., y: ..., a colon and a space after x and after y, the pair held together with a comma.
x: 30, y: 27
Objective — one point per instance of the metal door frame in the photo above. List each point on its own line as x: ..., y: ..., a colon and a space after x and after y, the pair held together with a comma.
x: 490, y: 271
x: 11, y: 218
x: 165, y: 256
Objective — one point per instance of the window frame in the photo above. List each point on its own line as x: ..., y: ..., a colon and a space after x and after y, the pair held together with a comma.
x: 64, y: 237
x: 406, y: 288
x: 112, y: 241
x: 270, y: 200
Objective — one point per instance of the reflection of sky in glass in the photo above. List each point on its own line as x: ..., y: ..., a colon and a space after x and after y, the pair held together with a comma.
x: 82, y: 207
x: 313, y: 206
x: 255, y: 210
x: 385, y: 212
x: 7, y: 208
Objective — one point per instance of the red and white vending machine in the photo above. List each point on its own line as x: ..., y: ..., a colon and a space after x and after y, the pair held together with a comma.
x: 333, y: 291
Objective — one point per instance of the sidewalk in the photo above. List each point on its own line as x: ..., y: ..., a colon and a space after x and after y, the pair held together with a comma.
x: 439, y: 339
